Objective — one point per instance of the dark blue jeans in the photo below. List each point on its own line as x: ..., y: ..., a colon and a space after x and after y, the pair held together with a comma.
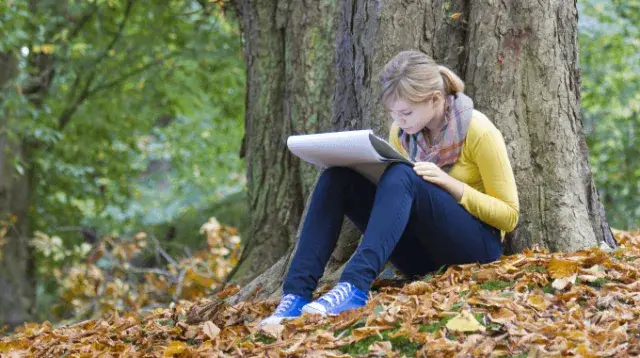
x: 416, y: 225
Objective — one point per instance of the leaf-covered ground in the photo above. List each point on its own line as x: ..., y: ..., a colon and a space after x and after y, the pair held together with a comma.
x: 533, y: 304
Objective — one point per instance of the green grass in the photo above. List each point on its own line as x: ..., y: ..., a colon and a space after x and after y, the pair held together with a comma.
x: 435, y: 327
x: 535, y: 268
x: 495, y: 285
x: 549, y: 289
x: 457, y: 306
x: 347, y: 331
x: 521, y: 355
x: 399, y: 344
x: 598, y: 283
x: 264, y: 339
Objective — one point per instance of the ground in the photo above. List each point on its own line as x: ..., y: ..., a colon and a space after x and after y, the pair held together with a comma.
x: 585, y: 304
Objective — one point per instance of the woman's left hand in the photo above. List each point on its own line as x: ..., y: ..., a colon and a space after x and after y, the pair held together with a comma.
x: 433, y: 174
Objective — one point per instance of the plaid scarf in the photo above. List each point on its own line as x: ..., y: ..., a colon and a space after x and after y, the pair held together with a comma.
x: 447, y: 144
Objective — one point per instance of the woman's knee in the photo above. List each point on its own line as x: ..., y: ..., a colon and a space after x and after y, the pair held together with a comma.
x: 339, y: 173
x: 398, y: 172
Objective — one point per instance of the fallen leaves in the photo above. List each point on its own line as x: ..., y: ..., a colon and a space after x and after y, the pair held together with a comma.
x: 562, y: 283
x: 538, y: 304
x: 559, y: 268
x: 465, y: 322
x: 211, y: 330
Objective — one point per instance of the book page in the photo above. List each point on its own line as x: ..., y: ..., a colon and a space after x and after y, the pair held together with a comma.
x: 335, y: 149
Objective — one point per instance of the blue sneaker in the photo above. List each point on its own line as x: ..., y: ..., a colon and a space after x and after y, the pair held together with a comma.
x: 344, y: 296
x: 290, y: 307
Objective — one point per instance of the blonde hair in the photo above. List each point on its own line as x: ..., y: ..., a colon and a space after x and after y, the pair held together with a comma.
x: 414, y: 76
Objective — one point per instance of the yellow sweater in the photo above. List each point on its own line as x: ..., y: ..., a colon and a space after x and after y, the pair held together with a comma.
x: 490, y: 192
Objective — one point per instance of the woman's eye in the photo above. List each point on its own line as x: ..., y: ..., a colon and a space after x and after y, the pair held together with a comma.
x: 407, y: 114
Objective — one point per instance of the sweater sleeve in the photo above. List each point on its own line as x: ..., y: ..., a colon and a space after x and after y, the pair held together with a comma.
x: 498, y: 206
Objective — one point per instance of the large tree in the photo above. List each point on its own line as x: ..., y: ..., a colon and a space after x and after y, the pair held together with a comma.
x: 312, y: 66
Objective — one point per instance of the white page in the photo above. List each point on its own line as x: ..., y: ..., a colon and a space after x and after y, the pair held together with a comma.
x: 334, y: 149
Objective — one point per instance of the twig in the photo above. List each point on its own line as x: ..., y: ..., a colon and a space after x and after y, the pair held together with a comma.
x: 178, y: 292
x: 163, y: 253
x: 146, y: 270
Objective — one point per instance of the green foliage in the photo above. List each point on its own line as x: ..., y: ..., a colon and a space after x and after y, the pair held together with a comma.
x: 610, y: 64
x: 134, y: 87
x: 132, y: 113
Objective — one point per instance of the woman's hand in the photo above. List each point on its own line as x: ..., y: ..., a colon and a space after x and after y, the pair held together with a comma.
x: 433, y: 174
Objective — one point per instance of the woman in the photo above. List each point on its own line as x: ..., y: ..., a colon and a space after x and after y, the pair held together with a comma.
x: 452, y: 207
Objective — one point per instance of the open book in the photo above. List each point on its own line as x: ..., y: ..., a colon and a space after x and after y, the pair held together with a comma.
x: 360, y: 150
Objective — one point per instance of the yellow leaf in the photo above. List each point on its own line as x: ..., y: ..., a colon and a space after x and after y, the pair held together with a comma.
x: 559, y: 268
x: 46, y: 49
x: 456, y: 16
x: 211, y: 330
x: 465, y: 322
x: 538, y: 303
x: 175, y: 347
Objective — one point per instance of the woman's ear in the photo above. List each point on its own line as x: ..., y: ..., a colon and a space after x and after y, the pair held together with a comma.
x: 437, y: 98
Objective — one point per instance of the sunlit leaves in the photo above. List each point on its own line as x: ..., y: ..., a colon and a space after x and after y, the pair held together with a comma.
x: 452, y: 317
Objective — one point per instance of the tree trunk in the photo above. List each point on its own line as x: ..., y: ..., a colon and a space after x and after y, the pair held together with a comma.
x: 17, y: 292
x: 518, y: 59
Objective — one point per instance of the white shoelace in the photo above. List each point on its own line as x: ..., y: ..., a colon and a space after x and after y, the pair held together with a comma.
x: 284, y: 304
x: 338, y: 294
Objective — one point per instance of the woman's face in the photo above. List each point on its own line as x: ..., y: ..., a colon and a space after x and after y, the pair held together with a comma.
x: 412, y: 117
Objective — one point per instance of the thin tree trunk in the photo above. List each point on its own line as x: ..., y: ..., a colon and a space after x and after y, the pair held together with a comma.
x: 519, y: 60
x: 17, y: 292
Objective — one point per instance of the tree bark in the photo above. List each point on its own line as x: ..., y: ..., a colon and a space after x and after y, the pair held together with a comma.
x: 518, y: 59
x: 17, y: 291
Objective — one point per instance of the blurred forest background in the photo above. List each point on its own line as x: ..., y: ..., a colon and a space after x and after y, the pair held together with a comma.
x: 130, y: 117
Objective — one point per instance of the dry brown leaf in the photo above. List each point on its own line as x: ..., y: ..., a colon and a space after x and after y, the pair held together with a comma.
x: 486, y: 275
x: 273, y: 329
x: 364, y: 332
x: 465, y: 322
x: 417, y: 288
x: 211, y: 330
x: 502, y: 316
x: 381, y: 348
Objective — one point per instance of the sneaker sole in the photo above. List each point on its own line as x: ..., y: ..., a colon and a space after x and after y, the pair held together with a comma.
x: 310, y: 310
x: 278, y: 320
